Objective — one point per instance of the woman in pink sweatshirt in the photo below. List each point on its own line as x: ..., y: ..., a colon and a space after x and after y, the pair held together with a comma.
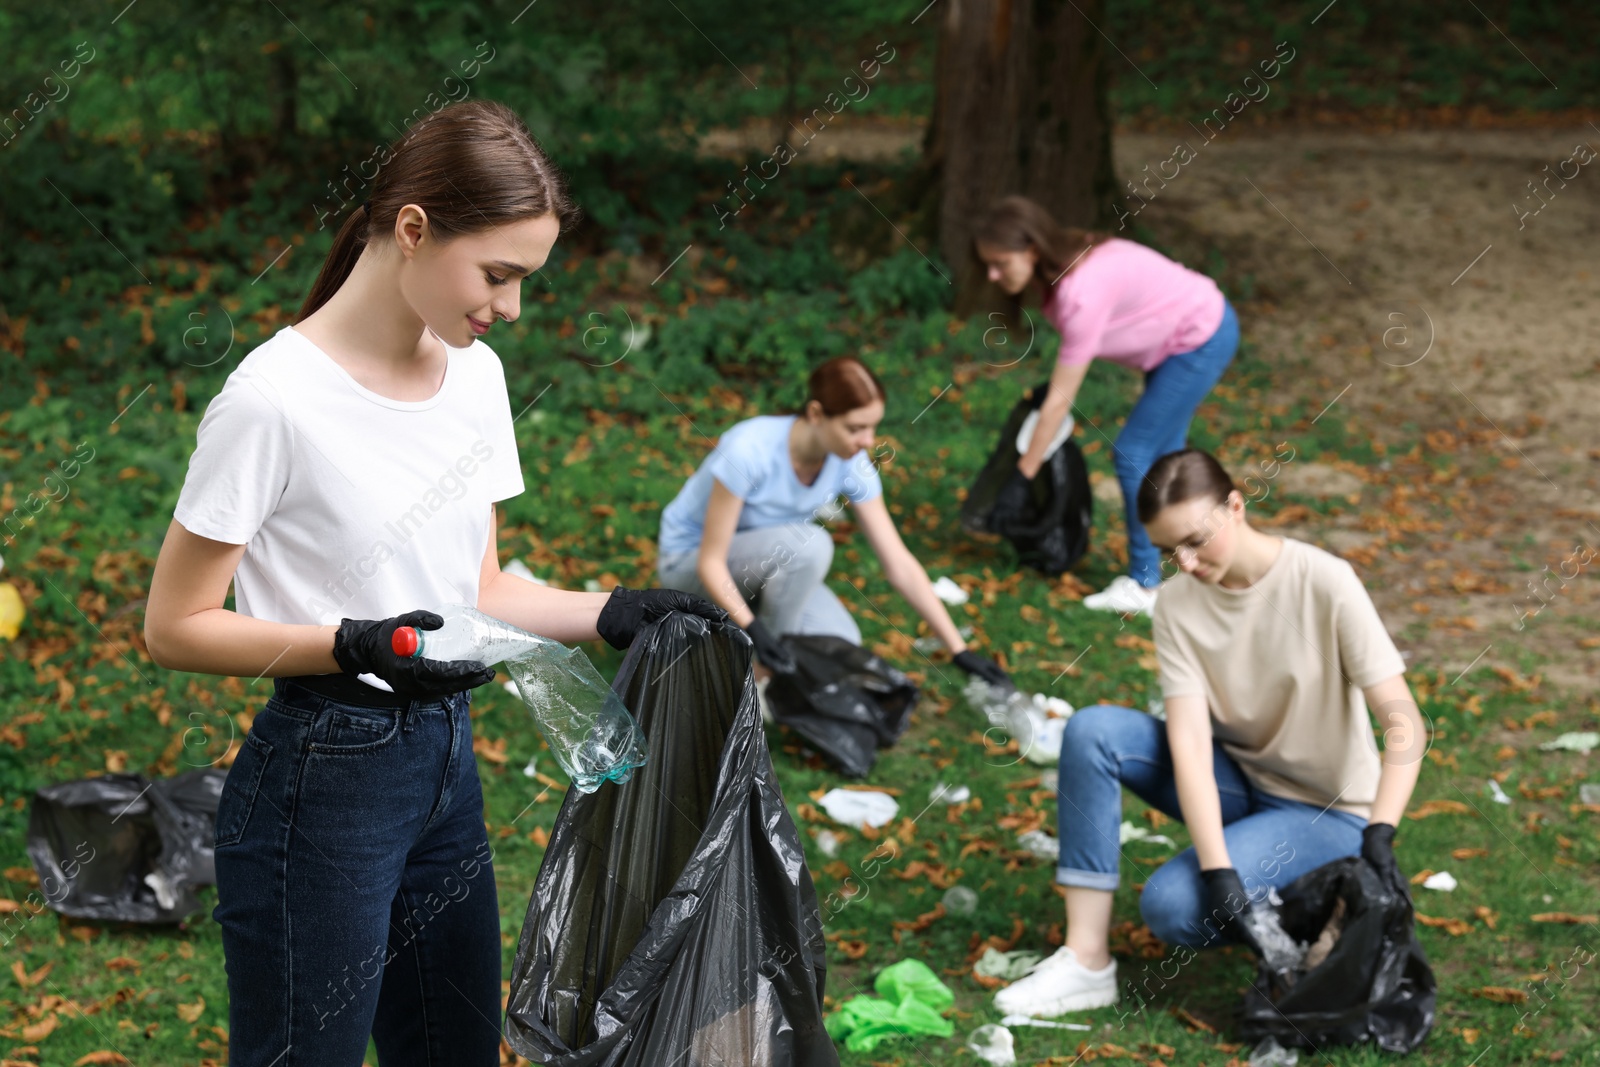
x: 1113, y: 299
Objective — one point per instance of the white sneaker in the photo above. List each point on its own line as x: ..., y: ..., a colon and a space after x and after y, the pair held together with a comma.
x: 1058, y: 985
x: 1124, y: 596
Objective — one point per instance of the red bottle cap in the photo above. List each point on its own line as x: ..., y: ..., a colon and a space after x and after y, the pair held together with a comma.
x: 404, y: 642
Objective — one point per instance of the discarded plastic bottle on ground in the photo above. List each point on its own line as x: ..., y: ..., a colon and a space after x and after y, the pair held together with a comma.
x: 960, y: 900
x: 589, y: 731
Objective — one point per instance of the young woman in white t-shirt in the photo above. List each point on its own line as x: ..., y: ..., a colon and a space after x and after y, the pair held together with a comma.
x: 1273, y: 664
x: 345, y: 482
x: 743, y: 526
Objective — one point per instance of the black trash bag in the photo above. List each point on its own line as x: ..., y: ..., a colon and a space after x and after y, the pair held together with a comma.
x: 844, y: 701
x: 674, y: 921
x: 1053, y: 532
x: 1374, y: 984
x: 124, y: 848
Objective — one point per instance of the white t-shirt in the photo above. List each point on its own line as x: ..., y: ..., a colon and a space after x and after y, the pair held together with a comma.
x: 350, y: 504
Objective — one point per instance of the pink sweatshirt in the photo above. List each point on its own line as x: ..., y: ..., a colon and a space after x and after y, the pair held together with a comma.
x: 1132, y: 305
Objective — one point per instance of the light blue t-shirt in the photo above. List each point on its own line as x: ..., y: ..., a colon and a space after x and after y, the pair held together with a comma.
x: 752, y: 460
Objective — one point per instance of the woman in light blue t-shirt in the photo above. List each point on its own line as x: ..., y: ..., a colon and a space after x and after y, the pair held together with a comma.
x: 743, y: 527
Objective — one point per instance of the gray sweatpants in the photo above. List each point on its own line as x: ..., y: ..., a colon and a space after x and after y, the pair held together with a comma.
x: 781, y: 572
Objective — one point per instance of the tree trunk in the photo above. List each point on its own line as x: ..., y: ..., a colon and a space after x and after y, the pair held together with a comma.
x: 1020, y: 106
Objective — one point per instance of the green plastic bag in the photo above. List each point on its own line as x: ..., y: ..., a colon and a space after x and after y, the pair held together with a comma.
x: 913, y: 998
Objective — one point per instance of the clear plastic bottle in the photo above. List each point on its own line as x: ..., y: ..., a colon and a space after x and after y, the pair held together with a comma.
x: 589, y: 731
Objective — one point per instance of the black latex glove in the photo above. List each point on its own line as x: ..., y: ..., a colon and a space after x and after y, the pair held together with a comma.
x: 1377, y: 848
x: 775, y: 656
x: 627, y: 611
x: 1011, y: 501
x: 1226, y: 904
x: 362, y: 646
x: 985, y: 668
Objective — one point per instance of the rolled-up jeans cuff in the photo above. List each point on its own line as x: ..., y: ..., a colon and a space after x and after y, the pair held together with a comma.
x: 1088, y: 879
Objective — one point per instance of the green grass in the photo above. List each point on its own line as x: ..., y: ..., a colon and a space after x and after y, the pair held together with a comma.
x: 100, y: 360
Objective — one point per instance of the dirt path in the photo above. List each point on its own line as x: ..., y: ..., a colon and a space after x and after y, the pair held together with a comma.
x: 1442, y: 301
x: 1399, y: 260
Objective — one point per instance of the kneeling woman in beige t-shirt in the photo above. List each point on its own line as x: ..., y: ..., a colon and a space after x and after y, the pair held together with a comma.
x: 1271, y: 657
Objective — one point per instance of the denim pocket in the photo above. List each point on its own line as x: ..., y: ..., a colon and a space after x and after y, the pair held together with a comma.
x: 348, y: 729
x: 240, y: 788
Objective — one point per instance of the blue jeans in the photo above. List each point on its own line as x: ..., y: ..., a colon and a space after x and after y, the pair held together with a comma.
x: 781, y: 572
x: 1159, y: 423
x: 1271, y: 840
x: 355, y: 887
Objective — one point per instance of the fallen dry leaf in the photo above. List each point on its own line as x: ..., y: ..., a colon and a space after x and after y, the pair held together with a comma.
x: 191, y: 1012
x: 102, y: 1058
x: 1565, y: 917
x: 1501, y: 994
x: 40, y: 1030
x: 1453, y: 927
x: 1439, y: 807
x: 1468, y: 853
x: 26, y: 980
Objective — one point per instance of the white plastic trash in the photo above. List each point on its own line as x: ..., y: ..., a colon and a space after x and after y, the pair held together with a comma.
x: 1129, y: 832
x: 1271, y: 1054
x: 1029, y: 424
x: 992, y: 1043
x: 950, y: 794
x: 1444, y: 881
x: 858, y: 807
x: 1574, y: 742
x: 949, y: 592
x: 1041, y: 844
x: 1497, y: 794
x: 828, y: 842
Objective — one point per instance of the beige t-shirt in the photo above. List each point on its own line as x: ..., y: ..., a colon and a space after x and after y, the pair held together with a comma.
x: 1282, y: 665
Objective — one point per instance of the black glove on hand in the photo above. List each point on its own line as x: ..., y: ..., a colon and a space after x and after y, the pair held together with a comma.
x: 1011, y: 501
x: 985, y: 668
x: 774, y: 656
x: 627, y: 611
x: 1226, y: 904
x: 362, y: 646
x: 1377, y: 848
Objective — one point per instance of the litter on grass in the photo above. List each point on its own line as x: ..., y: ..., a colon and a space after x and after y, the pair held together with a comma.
x: 1035, y: 721
x: 912, y: 1000
x: 959, y: 900
x: 1040, y: 844
x: 992, y: 1043
x: 1575, y: 742
x: 858, y: 807
x: 1271, y: 1054
x: 1444, y: 881
x: 1007, y: 965
x: 828, y: 842
x: 950, y: 794
x: 1129, y: 832
x: 1497, y: 794
x: 949, y: 591
x: 1589, y: 793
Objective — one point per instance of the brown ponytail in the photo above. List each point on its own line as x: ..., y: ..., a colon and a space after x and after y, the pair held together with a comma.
x: 471, y: 166
x: 1176, y: 477
x: 1015, y: 223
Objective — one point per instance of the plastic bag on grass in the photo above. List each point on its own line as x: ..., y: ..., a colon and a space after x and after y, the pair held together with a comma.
x: 1370, y: 980
x: 123, y: 848
x: 1053, y: 533
x: 843, y: 700
x: 673, y: 921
